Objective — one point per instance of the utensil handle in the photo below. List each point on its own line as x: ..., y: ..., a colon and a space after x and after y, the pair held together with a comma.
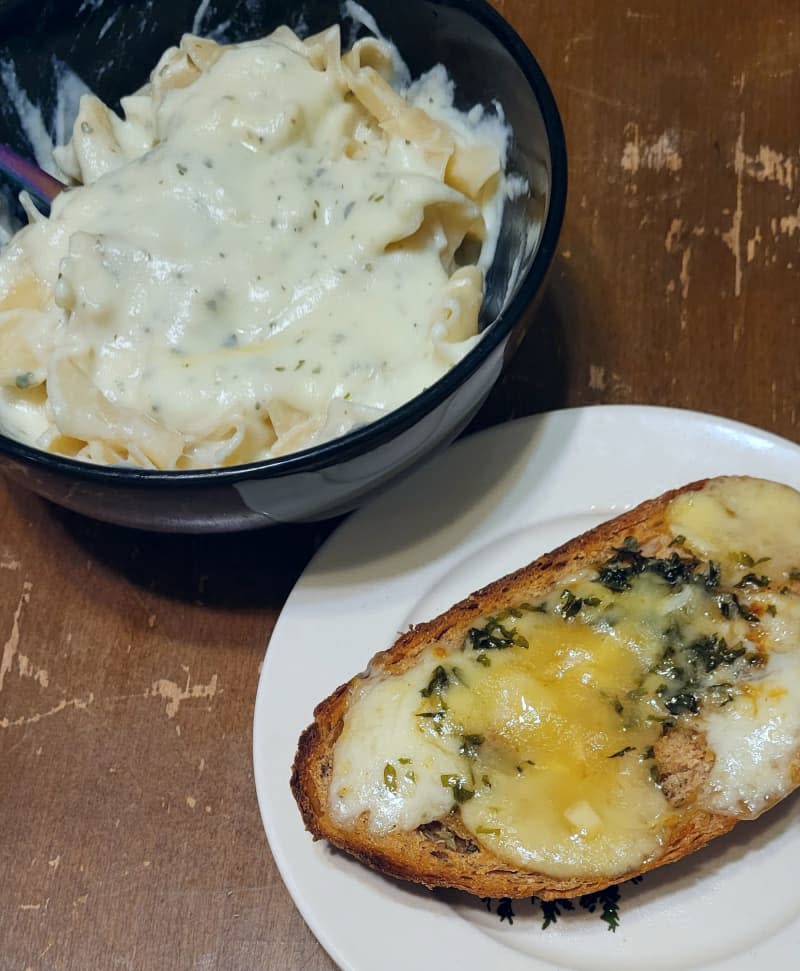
x: 36, y: 181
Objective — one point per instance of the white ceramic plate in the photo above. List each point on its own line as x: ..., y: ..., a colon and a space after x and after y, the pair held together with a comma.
x: 488, y: 505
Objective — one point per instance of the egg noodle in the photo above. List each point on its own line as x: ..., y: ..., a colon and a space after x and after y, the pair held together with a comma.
x: 274, y: 244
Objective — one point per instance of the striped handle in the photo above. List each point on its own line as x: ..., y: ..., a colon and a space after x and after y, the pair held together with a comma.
x: 43, y: 187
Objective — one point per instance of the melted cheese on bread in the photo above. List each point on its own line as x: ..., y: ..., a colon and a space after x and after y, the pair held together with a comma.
x: 541, y: 728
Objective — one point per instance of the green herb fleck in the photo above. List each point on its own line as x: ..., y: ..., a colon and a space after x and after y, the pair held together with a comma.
x: 729, y: 606
x: 470, y: 745
x: 628, y: 562
x: 712, y: 577
x: 494, y: 636
x: 540, y: 608
x: 461, y: 793
x: 439, y: 682
x: 24, y: 380
x: 682, y: 702
x: 569, y: 604
x: 752, y: 580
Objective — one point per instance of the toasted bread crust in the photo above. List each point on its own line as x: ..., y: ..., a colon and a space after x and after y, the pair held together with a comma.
x: 418, y: 855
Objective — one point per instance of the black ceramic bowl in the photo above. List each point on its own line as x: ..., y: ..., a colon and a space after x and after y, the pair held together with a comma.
x: 112, y: 46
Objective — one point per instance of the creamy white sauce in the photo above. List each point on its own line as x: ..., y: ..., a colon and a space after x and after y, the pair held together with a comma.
x: 255, y: 266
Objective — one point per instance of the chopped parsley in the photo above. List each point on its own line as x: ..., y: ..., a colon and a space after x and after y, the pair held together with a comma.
x: 24, y: 380
x: 622, y: 751
x: 439, y: 683
x: 627, y: 562
x: 493, y: 636
x: 752, y: 580
x: 470, y: 745
x: 457, y: 783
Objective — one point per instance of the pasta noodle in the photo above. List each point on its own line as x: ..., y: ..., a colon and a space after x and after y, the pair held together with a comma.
x: 263, y: 252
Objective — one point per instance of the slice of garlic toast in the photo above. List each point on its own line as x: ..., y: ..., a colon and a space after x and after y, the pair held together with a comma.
x: 607, y: 709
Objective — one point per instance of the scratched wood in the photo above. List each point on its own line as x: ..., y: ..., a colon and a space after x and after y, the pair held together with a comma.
x: 128, y: 662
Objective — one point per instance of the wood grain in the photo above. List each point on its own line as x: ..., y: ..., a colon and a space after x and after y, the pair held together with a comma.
x: 128, y: 662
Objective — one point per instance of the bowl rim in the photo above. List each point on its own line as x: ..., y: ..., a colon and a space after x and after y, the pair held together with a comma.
x: 388, y: 426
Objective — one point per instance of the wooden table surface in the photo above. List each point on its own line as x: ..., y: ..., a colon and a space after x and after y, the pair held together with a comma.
x: 131, y: 837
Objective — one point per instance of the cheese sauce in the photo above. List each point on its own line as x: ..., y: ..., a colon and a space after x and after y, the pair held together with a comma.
x: 539, y: 730
x: 257, y: 264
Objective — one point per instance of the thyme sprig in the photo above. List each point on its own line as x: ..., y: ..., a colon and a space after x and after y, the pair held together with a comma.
x: 605, y: 903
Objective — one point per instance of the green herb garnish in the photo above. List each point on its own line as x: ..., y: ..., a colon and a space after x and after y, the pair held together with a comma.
x: 540, y: 608
x: 608, y: 899
x: 439, y: 682
x: 493, y: 636
x: 461, y: 793
x: 752, y: 580
x: 604, y: 902
x: 470, y: 745
x: 729, y: 606
x: 569, y: 604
